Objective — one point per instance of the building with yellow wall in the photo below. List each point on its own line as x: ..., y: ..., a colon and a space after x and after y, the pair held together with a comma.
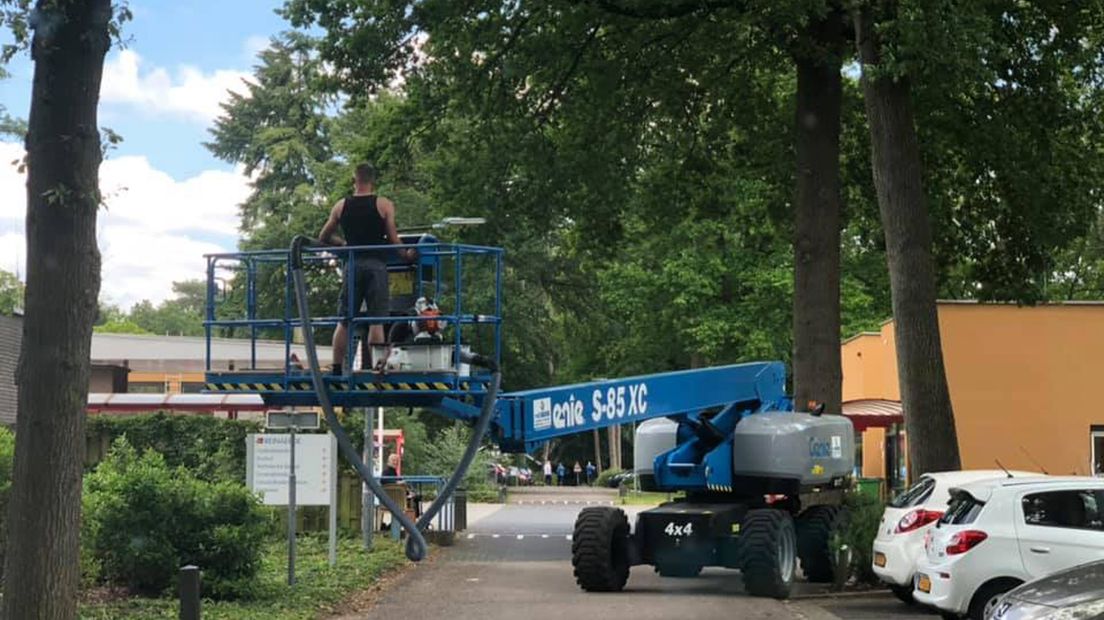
x: 1023, y: 383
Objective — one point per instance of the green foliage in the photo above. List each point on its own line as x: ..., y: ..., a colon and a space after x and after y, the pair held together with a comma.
x: 11, y: 293
x: 181, y: 315
x: 125, y: 326
x: 444, y: 452
x: 319, y: 591
x: 211, y: 449
x: 604, y: 477
x: 864, y: 514
x: 7, y: 462
x: 143, y: 520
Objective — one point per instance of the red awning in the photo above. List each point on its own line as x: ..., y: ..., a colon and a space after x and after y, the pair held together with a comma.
x: 873, y: 412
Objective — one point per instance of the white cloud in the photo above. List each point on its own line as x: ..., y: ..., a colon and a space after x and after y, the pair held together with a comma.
x: 152, y: 230
x: 190, y: 94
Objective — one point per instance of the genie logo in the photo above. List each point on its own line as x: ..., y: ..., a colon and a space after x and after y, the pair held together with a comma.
x: 819, y: 448
x: 567, y: 415
x: 559, y: 415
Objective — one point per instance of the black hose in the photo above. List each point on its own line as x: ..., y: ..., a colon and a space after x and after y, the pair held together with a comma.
x: 415, y: 543
x: 481, y: 426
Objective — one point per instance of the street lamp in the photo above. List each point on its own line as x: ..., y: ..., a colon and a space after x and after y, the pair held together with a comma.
x: 446, y: 222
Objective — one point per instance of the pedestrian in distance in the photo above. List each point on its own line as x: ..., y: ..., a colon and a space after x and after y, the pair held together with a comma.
x: 578, y: 469
x: 590, y: 471
x: 547, y: 473
x: 561, y: 471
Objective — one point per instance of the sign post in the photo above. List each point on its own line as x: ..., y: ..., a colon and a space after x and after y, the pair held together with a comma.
x: 291, y: 510
x: 293, y: 460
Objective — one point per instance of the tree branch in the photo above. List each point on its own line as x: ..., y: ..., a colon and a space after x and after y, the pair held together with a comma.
x: 663, y: 10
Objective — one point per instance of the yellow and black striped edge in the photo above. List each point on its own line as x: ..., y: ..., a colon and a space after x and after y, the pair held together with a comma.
x: 367, y: 386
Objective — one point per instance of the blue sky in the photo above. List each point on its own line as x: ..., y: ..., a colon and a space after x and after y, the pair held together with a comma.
x: 204, y: 34
x: 166, y: 195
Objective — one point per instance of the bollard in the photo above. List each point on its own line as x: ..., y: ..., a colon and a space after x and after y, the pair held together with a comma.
x: 843, y: 567
x: 502, y: 494
x: 189, y: 593
x: 460, y: 508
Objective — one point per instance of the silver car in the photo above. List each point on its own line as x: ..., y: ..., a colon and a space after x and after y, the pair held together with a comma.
x: 1073, y: 594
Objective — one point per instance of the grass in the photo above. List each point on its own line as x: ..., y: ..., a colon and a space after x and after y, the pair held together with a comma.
x: 318, y: 592
x: 646, y: 498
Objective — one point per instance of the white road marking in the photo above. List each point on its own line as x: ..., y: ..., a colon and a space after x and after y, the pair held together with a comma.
x: 520, y: 536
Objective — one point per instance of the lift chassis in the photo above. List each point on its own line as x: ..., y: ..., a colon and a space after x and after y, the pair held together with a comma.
x: 761, y: 485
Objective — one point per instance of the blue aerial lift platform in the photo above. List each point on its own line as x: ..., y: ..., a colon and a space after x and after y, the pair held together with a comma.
x: 763, y: 485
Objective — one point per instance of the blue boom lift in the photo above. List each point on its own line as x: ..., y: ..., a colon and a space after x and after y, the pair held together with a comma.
x: 762, y: 485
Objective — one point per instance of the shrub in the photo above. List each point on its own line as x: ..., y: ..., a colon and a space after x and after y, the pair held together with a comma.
x: 7, y: 456
x: 864, y: 516
x: 210, y: 448
x: 143, y: 520
x: 603, y: 478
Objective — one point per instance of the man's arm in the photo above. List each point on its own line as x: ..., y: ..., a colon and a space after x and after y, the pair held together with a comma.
x: 387, y: 209
x: 330, y: 227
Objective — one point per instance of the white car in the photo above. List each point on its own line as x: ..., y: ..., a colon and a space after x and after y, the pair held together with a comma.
x: 899, y: 545
x: 997, y: 534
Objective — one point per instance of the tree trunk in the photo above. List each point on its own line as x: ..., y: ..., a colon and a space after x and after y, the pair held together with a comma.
x: 929, y: 419
x: 597, y: 450
x: 42, y: 569
x: 816, y: 300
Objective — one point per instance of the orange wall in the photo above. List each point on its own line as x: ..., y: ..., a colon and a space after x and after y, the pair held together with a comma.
x: 1022, y: 380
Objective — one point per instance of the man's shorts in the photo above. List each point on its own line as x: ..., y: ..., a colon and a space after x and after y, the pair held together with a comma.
x: 369, y: 289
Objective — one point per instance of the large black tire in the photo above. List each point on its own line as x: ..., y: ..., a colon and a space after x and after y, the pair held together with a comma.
x: 768, y: 549
x: 815, y: 529
x: 600, y: 549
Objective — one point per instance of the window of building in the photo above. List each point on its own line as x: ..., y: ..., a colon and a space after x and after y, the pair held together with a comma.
x: 146, y: 387
x: 1097, y: 450
x: 1076, y: 509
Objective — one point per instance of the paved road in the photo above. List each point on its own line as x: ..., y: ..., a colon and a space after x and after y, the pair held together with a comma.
x: 515, y: 562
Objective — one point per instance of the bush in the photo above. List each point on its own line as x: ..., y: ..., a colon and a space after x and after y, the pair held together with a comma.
x: 864, y: 516
x: 211, y: 448
x: 603, y: 478
x: 7, y: 457
x: 143, y: 520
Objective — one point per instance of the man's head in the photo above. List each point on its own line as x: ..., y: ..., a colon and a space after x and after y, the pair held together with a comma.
x: 365, y: 176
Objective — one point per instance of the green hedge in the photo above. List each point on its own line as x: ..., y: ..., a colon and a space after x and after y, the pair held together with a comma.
x: 210, y: 448
x: 144, y: 519
x: 603, y: 478
x: 7, y: 457
x: 864, y: 514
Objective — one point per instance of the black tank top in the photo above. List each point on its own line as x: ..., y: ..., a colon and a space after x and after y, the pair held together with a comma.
x: 361, y: 223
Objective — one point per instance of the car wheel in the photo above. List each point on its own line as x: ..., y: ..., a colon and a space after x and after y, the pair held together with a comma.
x: 987, y: 597
x: 903, y: 594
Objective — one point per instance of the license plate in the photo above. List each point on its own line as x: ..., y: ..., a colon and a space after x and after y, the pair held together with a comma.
x: 924, y: 583
x: 401, y: 282
x: 879, y: 560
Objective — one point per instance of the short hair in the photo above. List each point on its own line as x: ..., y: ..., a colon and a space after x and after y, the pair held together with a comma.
x: 365, y: 173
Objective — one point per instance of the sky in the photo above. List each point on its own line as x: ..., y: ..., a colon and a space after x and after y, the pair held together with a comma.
x: 168, y: 200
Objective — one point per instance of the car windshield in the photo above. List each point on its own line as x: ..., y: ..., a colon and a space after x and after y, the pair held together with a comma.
x: 963, y: 509
x: 917, y: 494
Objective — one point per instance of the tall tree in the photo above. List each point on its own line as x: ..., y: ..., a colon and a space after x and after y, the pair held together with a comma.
x: 929, y: 418
x: 41, y: 575
x: 818, y: 54
x: 607, y: 81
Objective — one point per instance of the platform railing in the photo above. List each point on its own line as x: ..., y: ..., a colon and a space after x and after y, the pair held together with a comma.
x: 433, y: 256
